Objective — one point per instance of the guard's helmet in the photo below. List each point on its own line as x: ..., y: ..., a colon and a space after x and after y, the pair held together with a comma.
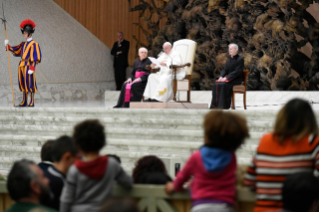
x: 27, y: 26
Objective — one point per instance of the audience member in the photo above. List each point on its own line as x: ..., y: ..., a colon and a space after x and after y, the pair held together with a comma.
x: 64, y: 154
x: 291, y: 148
x: 27, y: 186
x: 214, y: 165
x: 90, y: 180
x: 46, y: 155
x: 300, y: 193
x: 150, y: 170
x: 117, y: 158
x: 119, y: 205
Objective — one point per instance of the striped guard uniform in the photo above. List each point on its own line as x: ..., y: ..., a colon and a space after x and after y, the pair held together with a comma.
x: 30, y: 53
x: 273, y: 162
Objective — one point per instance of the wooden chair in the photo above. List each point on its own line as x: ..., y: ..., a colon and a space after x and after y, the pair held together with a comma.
x: 240, y: 89
x: 187, y: 50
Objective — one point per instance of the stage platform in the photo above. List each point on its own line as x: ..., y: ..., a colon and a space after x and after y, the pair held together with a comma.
x: 255, y: 99
x: 131, y: 132
x: 172, y: 105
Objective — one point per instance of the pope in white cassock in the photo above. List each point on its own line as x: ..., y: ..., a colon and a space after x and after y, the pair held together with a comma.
x: 160, y: 85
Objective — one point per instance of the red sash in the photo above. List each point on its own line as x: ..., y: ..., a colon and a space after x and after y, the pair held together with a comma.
x: 128, y: 95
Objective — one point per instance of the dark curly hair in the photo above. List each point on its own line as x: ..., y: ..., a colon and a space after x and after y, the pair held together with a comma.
x: 147, y: 164
x: 225, y: 130
x: 89, y: 136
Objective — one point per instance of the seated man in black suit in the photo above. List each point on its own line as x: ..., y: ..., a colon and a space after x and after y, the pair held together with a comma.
x: 231, y: 75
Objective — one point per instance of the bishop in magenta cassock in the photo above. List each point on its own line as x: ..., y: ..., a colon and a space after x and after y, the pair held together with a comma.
x: 133, y: 88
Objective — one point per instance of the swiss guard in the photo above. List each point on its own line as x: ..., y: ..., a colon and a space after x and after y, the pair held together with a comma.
x: 30, y: 54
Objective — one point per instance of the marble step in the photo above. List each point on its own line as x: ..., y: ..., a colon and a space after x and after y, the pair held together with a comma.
x: 169, y: 149
x: 24, y: 140
x: 244, y: 160
x: 137, y: 144
x: 108, y: 112
x: 165, y: 149
x: 127, y: 133
x: 122, y: 143
x: 107, y: 121
x: 246, y: 150
x: 49, y: 130
x: 159, y: 123
x: 178, y: 148
x: 107, y: 117
x: 35, y: 141
x: 101, y: 112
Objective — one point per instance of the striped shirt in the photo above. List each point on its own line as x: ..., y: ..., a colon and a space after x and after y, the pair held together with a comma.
x: 273, y: 162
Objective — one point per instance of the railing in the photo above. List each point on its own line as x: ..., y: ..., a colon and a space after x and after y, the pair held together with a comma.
x: 152, y: 198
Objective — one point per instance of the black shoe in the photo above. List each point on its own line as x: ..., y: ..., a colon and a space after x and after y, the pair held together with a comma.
x: 154, y: 100
x: 148, y: 100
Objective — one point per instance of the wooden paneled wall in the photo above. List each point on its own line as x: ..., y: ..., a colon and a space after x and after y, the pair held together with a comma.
x: 104, y: 18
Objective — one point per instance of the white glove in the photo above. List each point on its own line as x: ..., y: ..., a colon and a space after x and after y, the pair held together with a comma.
x: 6, y: 42
x: 30, y: 72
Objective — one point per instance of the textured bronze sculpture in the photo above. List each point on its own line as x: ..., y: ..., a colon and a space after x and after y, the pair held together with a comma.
x: 265, y: 31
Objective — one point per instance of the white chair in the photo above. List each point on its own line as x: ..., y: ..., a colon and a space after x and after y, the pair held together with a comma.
x: 187, y: 50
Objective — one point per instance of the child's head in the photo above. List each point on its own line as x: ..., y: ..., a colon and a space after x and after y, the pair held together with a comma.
x: 224, y: 130
x: 64, y: 151
x: 89, y: 136
x: 46, y: 151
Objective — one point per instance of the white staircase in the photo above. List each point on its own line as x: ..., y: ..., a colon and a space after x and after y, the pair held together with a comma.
x: 131, y: 133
